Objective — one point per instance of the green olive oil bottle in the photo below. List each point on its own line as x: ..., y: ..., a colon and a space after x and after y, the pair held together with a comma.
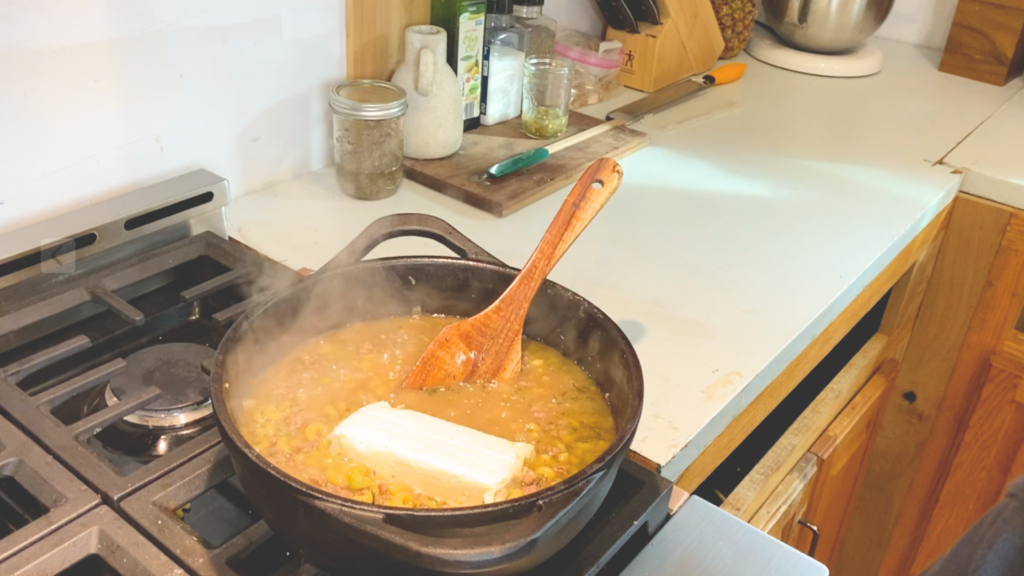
x: 464, y: 22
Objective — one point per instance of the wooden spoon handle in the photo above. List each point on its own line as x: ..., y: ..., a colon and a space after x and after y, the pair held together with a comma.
x: 590, y: 193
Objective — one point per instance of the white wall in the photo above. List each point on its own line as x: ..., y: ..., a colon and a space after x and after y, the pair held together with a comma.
x: 921, y: 22
x: 98, y: 97
x: 581, y: 15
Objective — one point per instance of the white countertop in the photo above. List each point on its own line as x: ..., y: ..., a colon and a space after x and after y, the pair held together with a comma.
x: 731, y: 243
x: 992, y: 157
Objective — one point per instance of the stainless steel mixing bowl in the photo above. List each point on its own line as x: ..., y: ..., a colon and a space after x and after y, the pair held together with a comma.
x: 825, y: 26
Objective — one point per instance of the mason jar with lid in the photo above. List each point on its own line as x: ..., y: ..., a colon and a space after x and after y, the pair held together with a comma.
x: 368, y: 144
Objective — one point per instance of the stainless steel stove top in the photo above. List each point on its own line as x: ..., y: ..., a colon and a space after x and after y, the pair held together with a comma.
x: 77, y: 373
x: 201, y: 517
x: 37, y: 495
x: 99, y: 543
x: 107, y: 335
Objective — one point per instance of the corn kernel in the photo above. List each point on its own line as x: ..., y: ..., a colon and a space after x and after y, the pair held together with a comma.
x: 402, y: 499
x: 315, y: 430
x: 546, y: 472
x: 336, y: 478
x: 359, y: 477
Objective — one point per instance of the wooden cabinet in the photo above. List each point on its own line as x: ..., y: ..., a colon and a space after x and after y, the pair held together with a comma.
x: 782, y: 514
x: 815, y: 473
x: 755, y: 490
x: 949, y: 437
x: 809, y: 508
x: 951, y: 434
x: 984, y: 460
x: 894, y: 439
x: 917, y: 437
x: 840, y: 454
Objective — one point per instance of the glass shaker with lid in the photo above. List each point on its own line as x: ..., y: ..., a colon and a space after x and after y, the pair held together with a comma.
x: 501, y: 82
x: 540, y: 28
x: 368, y: 144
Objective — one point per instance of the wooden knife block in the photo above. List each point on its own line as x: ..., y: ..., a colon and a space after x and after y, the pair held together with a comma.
x: 986, y: 41
x: 687, y: 42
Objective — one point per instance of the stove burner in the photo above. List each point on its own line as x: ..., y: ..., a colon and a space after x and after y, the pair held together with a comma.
x: 177, y: 369
x: 64, y: 337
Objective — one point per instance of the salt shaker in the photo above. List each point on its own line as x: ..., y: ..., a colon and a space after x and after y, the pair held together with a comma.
x: 501, y: 96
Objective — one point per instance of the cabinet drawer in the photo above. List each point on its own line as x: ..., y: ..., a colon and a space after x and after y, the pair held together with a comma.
x: 787, y: 505
x: 808, y: 508
x: 841, y: 453
x: 768, y: 474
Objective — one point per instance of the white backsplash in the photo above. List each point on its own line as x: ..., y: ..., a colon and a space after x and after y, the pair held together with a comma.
x: 922, y: 22
x: 98, y: 97
x: 581, y: 15
x: 102, y: 96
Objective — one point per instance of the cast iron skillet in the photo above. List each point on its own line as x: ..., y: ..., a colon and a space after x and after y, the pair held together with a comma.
x: 351, y: 537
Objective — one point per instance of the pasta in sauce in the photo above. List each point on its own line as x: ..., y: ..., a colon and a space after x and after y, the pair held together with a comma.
x: 552, y: 404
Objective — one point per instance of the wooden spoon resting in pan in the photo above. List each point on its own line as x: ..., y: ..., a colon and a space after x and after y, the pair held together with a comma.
x: 489, y: 346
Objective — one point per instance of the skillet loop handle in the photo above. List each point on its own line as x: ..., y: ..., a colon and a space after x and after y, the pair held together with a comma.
x: 401, y: 225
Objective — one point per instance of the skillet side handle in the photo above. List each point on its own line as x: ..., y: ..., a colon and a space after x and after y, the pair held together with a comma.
x: 401, y: 225
x: 455, y: 553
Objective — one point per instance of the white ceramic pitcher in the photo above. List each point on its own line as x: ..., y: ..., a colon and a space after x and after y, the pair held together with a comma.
x: 433, y: 124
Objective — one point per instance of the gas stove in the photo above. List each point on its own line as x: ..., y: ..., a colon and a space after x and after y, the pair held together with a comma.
x: 105, y: 364
x: 200, y: 516
x: 37, y: 495
x: 107, y: 336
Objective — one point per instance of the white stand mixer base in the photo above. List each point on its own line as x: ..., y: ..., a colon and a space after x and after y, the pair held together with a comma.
x: 767, y: 47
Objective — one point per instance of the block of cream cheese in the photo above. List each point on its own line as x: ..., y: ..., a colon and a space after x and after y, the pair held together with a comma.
x: 448, y: 461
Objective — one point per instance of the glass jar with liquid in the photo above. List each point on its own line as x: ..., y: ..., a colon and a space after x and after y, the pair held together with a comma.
x: 547, y: 91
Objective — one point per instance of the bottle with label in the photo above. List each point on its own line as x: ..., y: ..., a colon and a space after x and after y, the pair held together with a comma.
x: 540, y: 29
x: 464, y: 22
x: 501, y: 94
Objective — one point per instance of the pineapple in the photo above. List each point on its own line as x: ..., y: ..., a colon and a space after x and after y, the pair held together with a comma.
x: 736, y: 21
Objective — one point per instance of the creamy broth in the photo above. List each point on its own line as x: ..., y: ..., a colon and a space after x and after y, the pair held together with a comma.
x: 552, y: 404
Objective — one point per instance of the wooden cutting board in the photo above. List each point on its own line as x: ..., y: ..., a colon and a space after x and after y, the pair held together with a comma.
x: 459, y: 175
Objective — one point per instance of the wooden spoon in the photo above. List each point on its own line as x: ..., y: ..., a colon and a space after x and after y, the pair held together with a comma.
x: 489, y: 346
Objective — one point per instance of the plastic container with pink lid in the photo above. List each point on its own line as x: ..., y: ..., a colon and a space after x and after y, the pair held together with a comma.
x: 597, y: 65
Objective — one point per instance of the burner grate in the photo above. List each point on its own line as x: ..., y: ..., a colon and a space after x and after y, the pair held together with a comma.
x: 37, y: 495
x: 97, y: 544
x: 59, y: 350
x: 18, y: 506
x: 219, y: 534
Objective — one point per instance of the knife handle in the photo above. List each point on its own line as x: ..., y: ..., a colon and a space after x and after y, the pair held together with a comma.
x: 538, y: 155
x: 726, y: 74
